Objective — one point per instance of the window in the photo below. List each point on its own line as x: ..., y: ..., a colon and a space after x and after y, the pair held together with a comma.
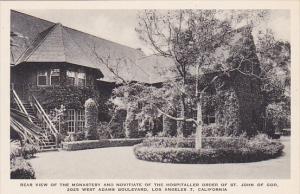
x: 81, y: 79
x: 75, y: 120
x: 42, y: 78
x: 80, y: 119
x: 76, y: 78
x: 71, y: 120
x: 71, y: 75
x: 54, y: 77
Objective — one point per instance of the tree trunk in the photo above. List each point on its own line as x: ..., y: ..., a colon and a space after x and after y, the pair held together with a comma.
x: 181, y: 126
x: 198, y: 140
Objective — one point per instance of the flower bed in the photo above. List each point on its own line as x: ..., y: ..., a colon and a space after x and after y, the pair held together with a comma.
x: 215, y: 150
x: 91, y: 144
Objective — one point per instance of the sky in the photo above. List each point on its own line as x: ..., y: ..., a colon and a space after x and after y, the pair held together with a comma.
x: 119, y: 25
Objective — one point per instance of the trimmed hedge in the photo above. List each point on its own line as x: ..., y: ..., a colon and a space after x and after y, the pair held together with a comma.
x: 91, y: 144
x: 215, y: 150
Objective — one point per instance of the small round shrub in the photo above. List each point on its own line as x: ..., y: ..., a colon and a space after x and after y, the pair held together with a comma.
x: 215, y: 150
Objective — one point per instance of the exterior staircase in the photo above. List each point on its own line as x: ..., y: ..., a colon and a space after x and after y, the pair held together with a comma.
x: 48, y: 141
x: 42, y: 129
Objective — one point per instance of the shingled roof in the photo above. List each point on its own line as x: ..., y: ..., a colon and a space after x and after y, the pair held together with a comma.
x: 39, y: 40
x: 55, y: 45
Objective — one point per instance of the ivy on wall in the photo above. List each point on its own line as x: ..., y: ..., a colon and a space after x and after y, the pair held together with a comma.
x: 70, y: 96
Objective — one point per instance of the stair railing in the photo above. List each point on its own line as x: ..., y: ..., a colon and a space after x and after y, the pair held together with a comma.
x: 45, y: 117
x: 20, y: 105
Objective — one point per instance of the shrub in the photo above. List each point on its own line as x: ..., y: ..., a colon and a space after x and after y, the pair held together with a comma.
x: 29, y: 150
x: 15, y: 150
x: 213, y: 130
x: 91, y: 119
x: 78, y: 136
x: 21, y: 169
x: 91, y: 144
x: 279, y: 115
x: 116, y: 126
x: 215, y: 150
x: 170, y: 125
x: 103, y: 130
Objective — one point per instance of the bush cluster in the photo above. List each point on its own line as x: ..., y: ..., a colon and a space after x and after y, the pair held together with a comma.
x: 116, y: 126
x: 78, y: 136
x: 91, y: 144
x: 21, y: 169
x: 213, y: 130
x: 103, y: 130
x: 215, y: 150
x: 27, y: 151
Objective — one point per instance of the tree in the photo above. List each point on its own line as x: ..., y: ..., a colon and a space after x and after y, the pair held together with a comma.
x: 198, y: 41
x: 275, y: 59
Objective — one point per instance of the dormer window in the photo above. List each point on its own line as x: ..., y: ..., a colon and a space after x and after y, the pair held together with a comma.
x: 71, y: 75
x: 42, y: 78
x: 54, y: 77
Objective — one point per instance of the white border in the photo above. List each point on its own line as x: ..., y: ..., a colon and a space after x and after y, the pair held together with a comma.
x: 290, y: 186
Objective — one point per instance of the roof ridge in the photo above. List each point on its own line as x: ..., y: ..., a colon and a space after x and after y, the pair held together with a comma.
x: 62, y: 40
x: 51, y: 28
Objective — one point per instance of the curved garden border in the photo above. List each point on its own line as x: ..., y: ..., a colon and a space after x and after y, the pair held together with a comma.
x: 249, y: 152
